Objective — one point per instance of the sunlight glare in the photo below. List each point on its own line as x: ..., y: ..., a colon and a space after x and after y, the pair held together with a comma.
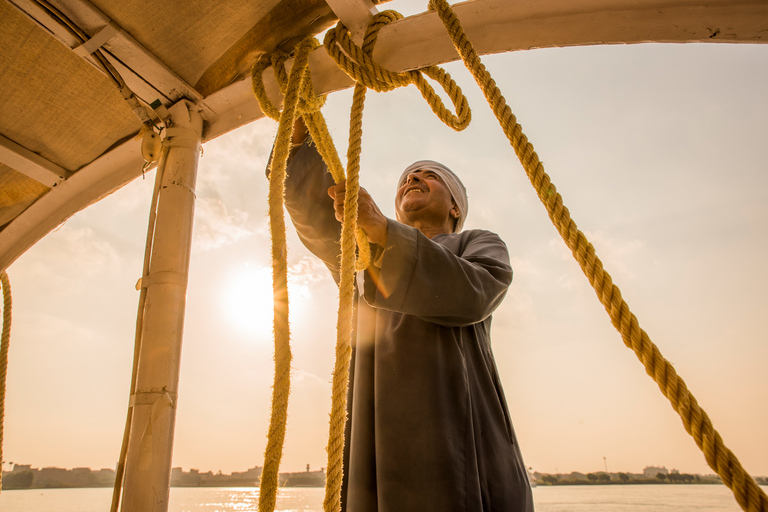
x: 248, y: 301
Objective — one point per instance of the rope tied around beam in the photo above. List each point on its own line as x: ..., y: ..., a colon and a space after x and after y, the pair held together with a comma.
x: 4, y: 342
x: 358, y: 63
x: 696, y: 422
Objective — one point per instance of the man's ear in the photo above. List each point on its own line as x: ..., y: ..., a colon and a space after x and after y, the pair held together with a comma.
x: 455, y: 213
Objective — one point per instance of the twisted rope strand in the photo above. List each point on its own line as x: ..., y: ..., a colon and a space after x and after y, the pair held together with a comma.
x: 308, y: 106
x: 697, y: 423
x: 300, y: 99
x: 282, y: 383
x: 335, y: 471
x: 5, y: 340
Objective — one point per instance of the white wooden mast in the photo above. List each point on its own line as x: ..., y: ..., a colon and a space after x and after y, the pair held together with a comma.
x: 150, y: 447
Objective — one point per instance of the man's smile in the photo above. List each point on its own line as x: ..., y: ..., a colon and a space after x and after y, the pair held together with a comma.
x: 414, y: 188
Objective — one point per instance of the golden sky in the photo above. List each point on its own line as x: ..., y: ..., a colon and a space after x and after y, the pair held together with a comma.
x: 660, y: 154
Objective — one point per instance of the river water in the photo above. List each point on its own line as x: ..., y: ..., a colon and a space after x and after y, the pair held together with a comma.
x: 613, y: 498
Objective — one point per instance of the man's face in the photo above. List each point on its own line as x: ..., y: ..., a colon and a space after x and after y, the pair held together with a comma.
x: 424, y: 196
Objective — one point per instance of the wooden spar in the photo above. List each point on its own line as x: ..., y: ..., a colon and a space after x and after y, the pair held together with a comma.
x: 150, y: 446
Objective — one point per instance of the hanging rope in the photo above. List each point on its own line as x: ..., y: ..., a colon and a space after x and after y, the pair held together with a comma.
x: 697, y: 423
x: 6, y: 339
x: 282, y: 384
x: 344, y: 326
x: 299, y: 99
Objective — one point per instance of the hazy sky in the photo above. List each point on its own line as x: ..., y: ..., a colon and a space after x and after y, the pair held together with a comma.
x: 660, y: 154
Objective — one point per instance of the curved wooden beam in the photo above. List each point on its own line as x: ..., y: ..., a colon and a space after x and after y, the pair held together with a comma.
x: 494, y: 26
x: 498, y: 26
x: 105, y: 175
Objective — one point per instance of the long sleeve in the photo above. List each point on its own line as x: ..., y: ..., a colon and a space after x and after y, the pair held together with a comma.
x: 310, y: 207
x: 451, y: 280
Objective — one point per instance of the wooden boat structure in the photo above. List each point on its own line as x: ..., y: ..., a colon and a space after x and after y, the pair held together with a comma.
x: 68, y: 132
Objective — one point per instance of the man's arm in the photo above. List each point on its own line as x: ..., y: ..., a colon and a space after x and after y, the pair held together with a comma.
x: 369, y: 217
x: 308, y: 203
x: 424, y: 278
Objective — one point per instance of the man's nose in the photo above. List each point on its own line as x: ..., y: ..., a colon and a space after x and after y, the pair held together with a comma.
x: 413, y: 177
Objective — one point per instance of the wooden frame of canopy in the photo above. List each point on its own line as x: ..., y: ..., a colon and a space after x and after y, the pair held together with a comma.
x: 493, y: 25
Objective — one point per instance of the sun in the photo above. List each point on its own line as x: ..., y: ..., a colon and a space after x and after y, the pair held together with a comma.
x: 248, y: 301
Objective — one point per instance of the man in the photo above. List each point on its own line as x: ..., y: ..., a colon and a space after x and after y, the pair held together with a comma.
x: 428, y: 424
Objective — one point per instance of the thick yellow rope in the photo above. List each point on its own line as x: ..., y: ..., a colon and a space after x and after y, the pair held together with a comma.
x: 749, y: 496
x: 309, y: 107
x: 359, y: 65
x: 299, y: 99
x: 282, y: 383
x: 335, y: 449
x: 6, y: 339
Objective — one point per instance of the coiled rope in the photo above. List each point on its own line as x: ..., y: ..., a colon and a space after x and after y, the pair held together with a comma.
x: 299, y: 99
x: 5, y: 340
x: 697, y: 423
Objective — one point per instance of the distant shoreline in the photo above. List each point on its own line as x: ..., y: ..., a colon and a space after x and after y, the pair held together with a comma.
x: 27, y: 477
x: 648, y: 477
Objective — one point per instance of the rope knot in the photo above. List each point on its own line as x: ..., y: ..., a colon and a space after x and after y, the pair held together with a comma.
x: 358, y: 63
x: 308, y: 101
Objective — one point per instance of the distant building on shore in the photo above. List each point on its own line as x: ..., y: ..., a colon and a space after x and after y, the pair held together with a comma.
x: 24, y: 476
x: 194, y: 478
x: 305, y: 479
x: 652, y: 471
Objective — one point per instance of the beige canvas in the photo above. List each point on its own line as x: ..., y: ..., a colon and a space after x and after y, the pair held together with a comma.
x: 17, y: 192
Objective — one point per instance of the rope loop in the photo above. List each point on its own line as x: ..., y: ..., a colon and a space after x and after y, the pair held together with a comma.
x: 360, y: 66
x: 308, y: 106
x: 257, y: 85
x: 308, y: 101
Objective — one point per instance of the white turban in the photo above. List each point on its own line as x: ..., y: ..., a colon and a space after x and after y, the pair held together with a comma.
x: 454, y: 184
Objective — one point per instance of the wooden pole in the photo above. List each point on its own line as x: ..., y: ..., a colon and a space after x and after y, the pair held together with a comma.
x: 150, y: 446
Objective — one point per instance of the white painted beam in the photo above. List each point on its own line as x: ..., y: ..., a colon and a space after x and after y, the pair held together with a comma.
x: 93, y: 182
x: 31, y: 164
x: 496, y: 26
